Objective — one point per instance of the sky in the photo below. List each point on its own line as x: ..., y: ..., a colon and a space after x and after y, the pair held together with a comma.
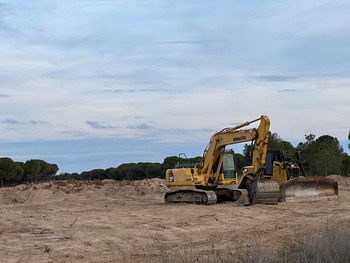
x: 92, y: 84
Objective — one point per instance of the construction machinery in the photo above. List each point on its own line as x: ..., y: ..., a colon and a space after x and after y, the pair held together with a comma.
x: 295, y: 182
x: 292, y: 176
x: 265, y: 181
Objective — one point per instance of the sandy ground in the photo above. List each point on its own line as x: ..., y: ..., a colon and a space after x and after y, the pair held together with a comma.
x: 129, y: 222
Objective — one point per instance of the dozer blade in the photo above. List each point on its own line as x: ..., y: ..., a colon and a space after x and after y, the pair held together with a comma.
x: 310, y: 186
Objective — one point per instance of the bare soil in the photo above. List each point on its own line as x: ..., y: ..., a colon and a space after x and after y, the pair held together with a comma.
x: 109, y: 221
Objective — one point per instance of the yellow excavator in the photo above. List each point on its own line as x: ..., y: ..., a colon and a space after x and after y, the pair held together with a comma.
x: 216, y: 179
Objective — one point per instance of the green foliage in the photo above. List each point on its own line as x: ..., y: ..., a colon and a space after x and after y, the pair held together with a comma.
x: 323, y: 156
x: 345, y: 167
x: 153, y: 170
x: 96, y: 174
x: 39, y: 170
x: 114, y: 173
x: 8, y: 169
x: 68, y: 176
x: 276, y: 143
x: 169, y: 162
x: 240, y: 162
x: 247, y: 155
x: 17, y: 172
x: 126, y: 171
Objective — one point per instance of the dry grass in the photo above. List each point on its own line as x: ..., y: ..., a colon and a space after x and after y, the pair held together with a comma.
x: 332, y: 246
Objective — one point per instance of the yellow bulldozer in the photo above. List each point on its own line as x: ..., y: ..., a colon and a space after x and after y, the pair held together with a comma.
x: 269, y: 179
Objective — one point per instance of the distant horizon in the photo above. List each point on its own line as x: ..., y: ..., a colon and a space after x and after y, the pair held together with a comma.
x: 111, y: 158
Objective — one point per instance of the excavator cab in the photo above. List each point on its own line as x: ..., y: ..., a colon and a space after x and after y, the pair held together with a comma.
x: 229, y: 166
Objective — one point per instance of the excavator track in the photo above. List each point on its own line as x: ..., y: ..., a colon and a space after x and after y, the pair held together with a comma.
x: 191, y: 196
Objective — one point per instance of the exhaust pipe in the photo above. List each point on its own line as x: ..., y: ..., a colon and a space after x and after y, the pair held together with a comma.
x: 310, y: 186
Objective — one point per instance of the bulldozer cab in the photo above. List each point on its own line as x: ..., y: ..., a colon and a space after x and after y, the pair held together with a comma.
x: 278, y: 163
x: 279, y: 167
x: 271, y: 156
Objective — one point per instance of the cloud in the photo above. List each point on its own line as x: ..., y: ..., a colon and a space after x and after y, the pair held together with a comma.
x: 131, y: 90
x: 4, y: 9
x: 276, y: 78
x: 11, y: 121
x: 75, y: 134
x: 287, y: 90
x: 141, y: 126
x: 204, y: 41
x: 33, y: 122
x: 100, y: 125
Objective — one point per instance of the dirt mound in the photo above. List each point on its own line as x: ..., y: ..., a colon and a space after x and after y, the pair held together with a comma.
x: 146, y: 187
x: 343, y: 181
x: 149, y: 186
x: 60, y: 190
x: 31, y: 193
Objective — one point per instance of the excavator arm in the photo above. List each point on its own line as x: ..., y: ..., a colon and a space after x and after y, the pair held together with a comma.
x: 236, y: 135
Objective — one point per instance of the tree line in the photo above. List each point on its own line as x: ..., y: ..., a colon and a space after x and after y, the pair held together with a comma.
x: 12, y: 173
x: 322, y: 156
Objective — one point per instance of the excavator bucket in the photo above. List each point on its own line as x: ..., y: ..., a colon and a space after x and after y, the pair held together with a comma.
x: 310, y: 186
x: 242, y: 197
